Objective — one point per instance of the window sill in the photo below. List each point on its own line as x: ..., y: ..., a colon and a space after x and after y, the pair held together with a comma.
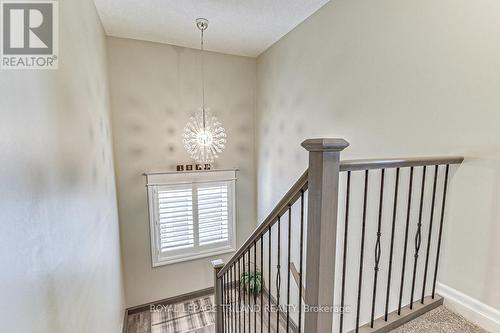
x: 165, y: 262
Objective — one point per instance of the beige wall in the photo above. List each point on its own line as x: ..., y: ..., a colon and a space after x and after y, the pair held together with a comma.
x: 395, y: 78
x: 155, y: 88
x: 59, y: 240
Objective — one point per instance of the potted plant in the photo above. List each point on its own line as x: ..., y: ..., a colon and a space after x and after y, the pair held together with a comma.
x: 251, y: 282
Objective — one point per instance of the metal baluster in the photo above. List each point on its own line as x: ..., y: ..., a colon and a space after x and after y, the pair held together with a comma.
x: 224, y: 302
x: 301, y: 257
x: 408, y: 213
x: 430, y: 232
x: 236, y: 295
x: 363, y: 227
x: 236, y: 285
x: 228, y: 302
x: 237, y: 290
x: 440, y: 230
x: 228, y: 286
x: 278, y: 277
x: 254, y: 285
x: 244, y: 291
x: 392, y: 245
x: 231, y: 312
x: 236, y: 298
x: 229, y: 308
x: 250, y: 308
x: 233, y: 272
x: 238, y: 308
x: 342, y: 297
x: 289, y: 259
x: 262, y: 285
x: 239, y: 294
x: 377, y: 246
x: 418, y: 237
x: 269, y: 279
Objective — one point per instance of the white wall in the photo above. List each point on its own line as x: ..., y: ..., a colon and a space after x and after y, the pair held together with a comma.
x: 59, y: 240
x: 155, y: 88
x: 395, y: 78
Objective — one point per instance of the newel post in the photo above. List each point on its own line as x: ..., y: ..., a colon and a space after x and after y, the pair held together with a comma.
x: 324, y: 168
x: 217, y: 265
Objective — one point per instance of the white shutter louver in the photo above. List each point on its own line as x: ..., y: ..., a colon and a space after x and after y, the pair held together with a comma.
x: 213, y: 214
x: 175, y: 214
x: 191, y: 214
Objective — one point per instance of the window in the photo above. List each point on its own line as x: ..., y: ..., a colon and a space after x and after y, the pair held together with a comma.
x: 192, y: 214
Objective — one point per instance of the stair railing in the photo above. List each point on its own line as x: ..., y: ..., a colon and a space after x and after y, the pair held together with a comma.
x: 305, y: 222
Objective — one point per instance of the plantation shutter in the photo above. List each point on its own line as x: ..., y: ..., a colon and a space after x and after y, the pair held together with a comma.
x: 192, y: 214
x: 213, y: 214
x: 175, y: 213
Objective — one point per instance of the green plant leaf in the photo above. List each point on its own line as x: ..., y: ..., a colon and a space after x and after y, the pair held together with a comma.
x: 251, y: 282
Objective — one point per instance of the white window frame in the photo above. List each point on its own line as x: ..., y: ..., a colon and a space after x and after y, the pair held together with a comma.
x: 190, y: 179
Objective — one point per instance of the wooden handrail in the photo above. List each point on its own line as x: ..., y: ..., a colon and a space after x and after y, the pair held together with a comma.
x: 368, y: 164
x: 288, y: 199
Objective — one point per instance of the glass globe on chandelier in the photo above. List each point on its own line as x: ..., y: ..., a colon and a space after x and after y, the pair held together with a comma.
x: 204, y: 137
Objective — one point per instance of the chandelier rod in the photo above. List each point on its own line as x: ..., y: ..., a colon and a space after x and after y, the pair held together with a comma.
x: 202, y: 24
x: 203, y: 80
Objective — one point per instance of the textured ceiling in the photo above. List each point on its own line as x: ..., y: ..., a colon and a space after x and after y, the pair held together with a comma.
x: 241, y: 27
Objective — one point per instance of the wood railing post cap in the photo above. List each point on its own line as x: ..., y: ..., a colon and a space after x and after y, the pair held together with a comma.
x: 218, y: 263
x: 325, y: 144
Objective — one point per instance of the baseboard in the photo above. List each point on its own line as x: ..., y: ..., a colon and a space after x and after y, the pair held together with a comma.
x: 172, y: 300
x: 473, y: 310
x: 396, y: 319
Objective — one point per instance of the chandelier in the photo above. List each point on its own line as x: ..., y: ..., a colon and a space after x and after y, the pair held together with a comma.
x: 204, y: 137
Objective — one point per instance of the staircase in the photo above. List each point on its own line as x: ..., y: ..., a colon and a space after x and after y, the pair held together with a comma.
x: 353, y: 246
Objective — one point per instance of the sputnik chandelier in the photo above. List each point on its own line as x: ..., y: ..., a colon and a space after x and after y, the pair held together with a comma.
x: 204, y: 137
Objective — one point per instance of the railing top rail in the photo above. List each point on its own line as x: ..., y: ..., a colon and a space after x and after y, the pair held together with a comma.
x: 288, y: 199
x: 367, y: 164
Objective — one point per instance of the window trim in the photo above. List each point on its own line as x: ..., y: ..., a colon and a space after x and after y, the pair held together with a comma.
x: 154, y: 180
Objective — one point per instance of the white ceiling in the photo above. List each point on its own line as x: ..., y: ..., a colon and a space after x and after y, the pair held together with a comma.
x: 241, y: 27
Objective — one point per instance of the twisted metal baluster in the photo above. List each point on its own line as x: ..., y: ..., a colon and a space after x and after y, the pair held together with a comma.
x: 388, y: 291
x: 378, y: 250
x: 418, y: 237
